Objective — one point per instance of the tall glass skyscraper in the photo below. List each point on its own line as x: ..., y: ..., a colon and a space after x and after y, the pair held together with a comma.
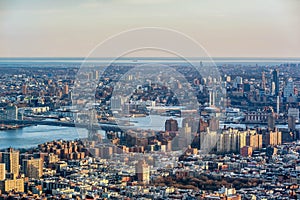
x: 275, y: 74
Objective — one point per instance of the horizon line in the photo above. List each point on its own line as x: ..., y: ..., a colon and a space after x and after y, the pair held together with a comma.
x: 148, y: 57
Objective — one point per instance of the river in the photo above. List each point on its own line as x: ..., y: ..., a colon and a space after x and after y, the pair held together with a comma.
x: 33, y: 135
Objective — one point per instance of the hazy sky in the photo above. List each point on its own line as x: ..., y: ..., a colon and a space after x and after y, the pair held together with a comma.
x: 226, y: 28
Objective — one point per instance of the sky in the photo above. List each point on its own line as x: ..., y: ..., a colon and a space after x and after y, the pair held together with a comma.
x: 225, y: 28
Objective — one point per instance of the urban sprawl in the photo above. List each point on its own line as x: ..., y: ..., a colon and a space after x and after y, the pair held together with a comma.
x: 239, y: 141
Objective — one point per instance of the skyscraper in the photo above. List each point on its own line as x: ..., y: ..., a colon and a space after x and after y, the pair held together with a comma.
x: 277, y: 105
x: 11, y: 160
x: 275, y: 75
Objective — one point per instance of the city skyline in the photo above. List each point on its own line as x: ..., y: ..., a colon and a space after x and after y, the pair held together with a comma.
x: 149, y: 139
x: 150, y: 99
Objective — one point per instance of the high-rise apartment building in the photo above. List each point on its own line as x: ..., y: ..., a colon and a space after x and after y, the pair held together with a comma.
x: 227, y: 142
x: 254, y: 141
x: 233, y: 140
x: 272, y: 138
x: 16, y: 185
x: 142, y: 171
x: 11, y: 160
x: 2, y: 171
x: 33, y: 168
x: 224, y: 141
